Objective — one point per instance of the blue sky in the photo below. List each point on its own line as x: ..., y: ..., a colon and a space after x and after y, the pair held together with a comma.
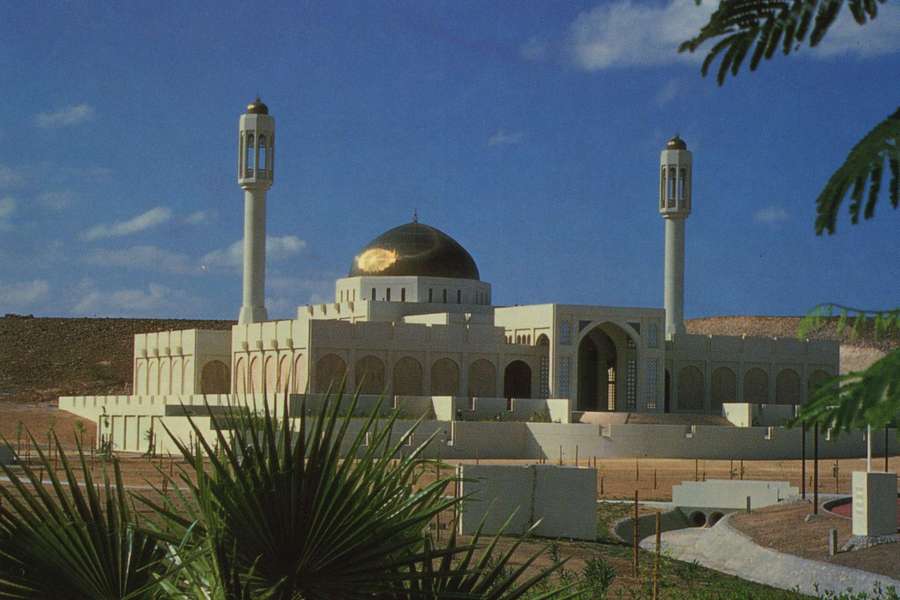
x: 530, y: 132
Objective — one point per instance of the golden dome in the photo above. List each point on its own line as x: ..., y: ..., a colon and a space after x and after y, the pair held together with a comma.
x: 257, y: 107
x: 676, y: 143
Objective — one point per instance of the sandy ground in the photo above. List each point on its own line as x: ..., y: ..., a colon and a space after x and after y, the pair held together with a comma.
x: 784, y: 528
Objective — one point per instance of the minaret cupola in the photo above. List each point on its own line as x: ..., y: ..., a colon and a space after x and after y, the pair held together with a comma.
x: 256, y: 147
x: 675, y: 179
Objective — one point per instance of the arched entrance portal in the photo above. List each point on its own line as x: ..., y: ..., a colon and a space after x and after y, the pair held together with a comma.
x: 607, y: 370
x: 517, y: 380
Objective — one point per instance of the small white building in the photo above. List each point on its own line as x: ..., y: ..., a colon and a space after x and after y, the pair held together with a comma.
x: 414, y: 318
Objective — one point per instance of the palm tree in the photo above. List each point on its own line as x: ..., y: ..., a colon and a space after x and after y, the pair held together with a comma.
x: 74, y: 539
x: 758, y: 29
x: 274, y: 511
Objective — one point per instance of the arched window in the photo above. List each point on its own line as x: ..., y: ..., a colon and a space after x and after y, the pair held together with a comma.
x: 671, y: 191
x: 662, y: 188
x: 249, y: 156
x: 445, y: 296
x: 482, y: 379
x: 690, y: 388
x: 816, y: 382
x: 387, y: 295
x: 262, y: 154
x: 459, y: 296
x: 330, y: 370
x: 372, y: 298
x: 787, y: 387
x: 407, y: 377
x: 369, y: 375
x: 402, y: 294
x: 214, y: 378
x: 444, y: 378
x: 724, y: 388
x: 756, y: 386
x: 517, y: 380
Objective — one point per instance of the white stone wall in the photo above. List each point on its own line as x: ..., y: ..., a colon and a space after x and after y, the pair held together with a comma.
x: 172, y: 362
x: 747, y: 355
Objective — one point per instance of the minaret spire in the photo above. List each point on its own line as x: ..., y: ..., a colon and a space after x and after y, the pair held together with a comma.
x: 674, y: 205
x: 256, y: 172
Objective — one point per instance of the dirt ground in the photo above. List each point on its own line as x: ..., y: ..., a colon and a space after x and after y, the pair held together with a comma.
x: 784, y: 528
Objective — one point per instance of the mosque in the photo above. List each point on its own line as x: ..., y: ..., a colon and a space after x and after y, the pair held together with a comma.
x: 413, y: 319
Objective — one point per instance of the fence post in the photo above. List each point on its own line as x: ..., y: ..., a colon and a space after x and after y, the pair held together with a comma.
x: 635, y: 537
x: 656, y: 560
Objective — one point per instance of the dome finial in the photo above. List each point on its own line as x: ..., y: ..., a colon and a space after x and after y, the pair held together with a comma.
x: 415, y: 215
x: 676, y: 143
x: 257, y: 107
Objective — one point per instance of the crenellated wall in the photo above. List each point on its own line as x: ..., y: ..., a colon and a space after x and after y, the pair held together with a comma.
x: 703, y: 372
x: 173, y: 362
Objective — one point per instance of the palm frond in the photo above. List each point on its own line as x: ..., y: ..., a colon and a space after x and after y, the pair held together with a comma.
x: 853, y: 401
x: 73, y: 539
x: 864, y: 165
x: 767, y: 25
x: 279, y: 500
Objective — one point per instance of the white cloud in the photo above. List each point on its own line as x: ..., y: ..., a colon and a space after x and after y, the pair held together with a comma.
x: 23, y: 294
x: 64, y: 117
x: 200, y: 217
x: 55, y: 200
x: 668, y: 92
x: 626, y: 33
x: 881, y: 36
x: 150, y: 258
x: 232, y: 257
x: 506, y: 138
x: 141, y: 302
x: 10, y: 178
x: 771, y: 215
x: 534, y: 49
x: 152, y: 218
x: 630, y: 34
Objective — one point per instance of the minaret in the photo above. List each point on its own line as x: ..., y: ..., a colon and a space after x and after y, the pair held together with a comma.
x: 674, y: 206
x: 256, y: 170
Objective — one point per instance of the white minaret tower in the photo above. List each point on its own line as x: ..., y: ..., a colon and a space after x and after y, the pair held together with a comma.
x: 256, y: 171
x: 674, y: 206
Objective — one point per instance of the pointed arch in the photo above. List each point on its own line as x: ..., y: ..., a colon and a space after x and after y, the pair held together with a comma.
x: 690, y: 388
x: 368, y: 373
x: 444, y: 377
x: 724, y: 388
x: 297, y: 384
x: 517, y: 380
x: 407, y: 378
x: 788, y: 389
x: 756, y: 386
x: 330, y: 371
x: 214, y: 378
x: 241, y: 383
x: 482, y: 379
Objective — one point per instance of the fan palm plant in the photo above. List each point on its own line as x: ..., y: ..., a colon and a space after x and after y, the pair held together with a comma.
x: 73, y: 539
x: 308, y: 508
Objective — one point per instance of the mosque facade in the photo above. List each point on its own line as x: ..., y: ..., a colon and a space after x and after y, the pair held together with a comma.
x: 413, y: 318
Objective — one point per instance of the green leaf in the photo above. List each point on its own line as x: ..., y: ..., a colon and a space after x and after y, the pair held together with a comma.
x: 741, y: 24
x: 864, y: 163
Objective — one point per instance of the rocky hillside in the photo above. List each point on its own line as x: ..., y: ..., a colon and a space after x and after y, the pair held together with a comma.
x: 43, y: 358
x: 786, y: 327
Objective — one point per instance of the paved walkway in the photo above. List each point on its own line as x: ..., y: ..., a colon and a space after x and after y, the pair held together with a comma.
x: 726, y: 549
